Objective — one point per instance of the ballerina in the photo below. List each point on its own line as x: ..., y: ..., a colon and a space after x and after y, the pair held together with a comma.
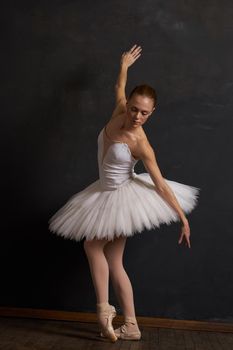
x: 121, y: 203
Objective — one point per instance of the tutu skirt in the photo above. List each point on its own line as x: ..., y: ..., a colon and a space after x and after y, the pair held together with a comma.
x: 129, y: 209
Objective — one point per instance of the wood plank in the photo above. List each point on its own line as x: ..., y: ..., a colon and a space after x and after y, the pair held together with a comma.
x: 91, y: 318
x: 34, y: 334
x: 189, y: 344
x: 226, y: 340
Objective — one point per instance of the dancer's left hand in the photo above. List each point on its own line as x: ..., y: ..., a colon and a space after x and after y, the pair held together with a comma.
x: 129, y: 57
x: 185, y: 233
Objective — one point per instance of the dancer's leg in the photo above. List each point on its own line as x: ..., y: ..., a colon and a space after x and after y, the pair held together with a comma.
x: 122, y: 286
x: 98, y: 268
x: 100, y: 277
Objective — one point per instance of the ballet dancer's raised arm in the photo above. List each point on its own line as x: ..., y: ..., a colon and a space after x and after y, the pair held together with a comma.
x: 127, y: 59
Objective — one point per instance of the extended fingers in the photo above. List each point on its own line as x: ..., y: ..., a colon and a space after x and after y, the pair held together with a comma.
x: 136, y: 52
x: 188, y: 242
x: 181, y: 238
x: 186, y: 238
x: 129, y: 57
x: 132, y: 48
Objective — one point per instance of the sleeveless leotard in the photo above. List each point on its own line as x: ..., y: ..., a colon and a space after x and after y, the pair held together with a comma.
x: 116, y: 166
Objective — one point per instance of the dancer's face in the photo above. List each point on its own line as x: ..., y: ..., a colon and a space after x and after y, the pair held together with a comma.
x: 139, y: 108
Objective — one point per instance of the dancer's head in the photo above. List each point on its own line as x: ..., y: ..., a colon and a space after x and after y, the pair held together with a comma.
x: 141, y: 103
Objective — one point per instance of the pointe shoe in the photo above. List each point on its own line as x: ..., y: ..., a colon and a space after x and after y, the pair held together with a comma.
x: 105, y: 315
x: 123, y: 333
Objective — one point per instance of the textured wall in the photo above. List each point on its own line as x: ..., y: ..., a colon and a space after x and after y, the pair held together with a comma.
x: 59, y: 63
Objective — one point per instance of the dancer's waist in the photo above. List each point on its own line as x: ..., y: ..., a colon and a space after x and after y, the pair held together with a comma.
x: 111, y: 184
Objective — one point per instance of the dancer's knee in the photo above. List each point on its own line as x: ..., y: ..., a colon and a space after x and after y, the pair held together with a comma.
x: 115, y: 267
x: 88, y: 247
x: 92, y: 246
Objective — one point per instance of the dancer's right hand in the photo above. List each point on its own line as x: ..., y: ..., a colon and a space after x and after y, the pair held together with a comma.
x: 129, y: 57
x: 185, y: 233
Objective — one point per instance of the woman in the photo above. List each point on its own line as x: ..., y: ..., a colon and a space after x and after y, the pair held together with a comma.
x: 121, y: 202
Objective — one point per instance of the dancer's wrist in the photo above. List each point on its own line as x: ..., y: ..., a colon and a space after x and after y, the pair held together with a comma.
x: 124, y: 66
x: 183, y: 219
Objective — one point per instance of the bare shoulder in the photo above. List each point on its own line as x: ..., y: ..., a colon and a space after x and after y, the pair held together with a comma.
x: 144, y: 148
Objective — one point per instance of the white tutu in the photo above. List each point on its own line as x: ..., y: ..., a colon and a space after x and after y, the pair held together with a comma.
x: 120, y: 202
x: 131, y: 208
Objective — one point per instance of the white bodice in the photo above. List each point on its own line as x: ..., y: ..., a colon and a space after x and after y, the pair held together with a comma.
x: 117, y: 167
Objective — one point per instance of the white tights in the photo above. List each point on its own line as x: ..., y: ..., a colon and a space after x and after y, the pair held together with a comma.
x: 105, y: 259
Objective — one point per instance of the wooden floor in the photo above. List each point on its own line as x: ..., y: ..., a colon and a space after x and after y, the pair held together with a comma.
x: 34, y: 334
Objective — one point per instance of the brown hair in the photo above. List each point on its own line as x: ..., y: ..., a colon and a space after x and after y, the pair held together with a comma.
x: 145, y: 90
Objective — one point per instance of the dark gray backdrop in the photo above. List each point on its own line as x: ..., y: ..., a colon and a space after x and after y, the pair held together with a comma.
x: 59, y: 62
